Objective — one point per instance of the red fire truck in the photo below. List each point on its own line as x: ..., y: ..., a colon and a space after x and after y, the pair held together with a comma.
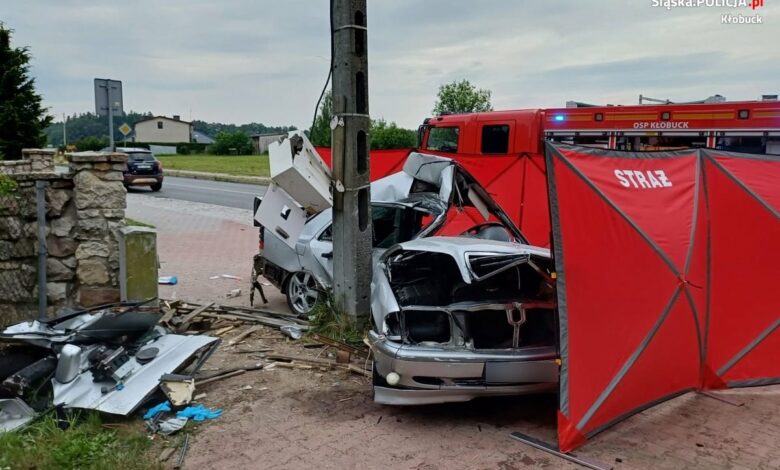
x: 740, y: 126
x: 748, y: 126
x: 504, y: 149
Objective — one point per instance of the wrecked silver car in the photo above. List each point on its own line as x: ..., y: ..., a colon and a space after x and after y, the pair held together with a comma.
x: 457, y: 318
x: 431, y: 196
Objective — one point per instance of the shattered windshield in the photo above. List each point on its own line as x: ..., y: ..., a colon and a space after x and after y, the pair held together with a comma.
x: 397, y: 223
x: 474, y: 213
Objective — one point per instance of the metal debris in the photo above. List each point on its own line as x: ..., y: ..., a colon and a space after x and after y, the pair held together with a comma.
x: 14, y: 413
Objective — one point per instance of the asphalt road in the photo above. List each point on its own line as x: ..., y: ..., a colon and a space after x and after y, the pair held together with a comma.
x: 209, y: 192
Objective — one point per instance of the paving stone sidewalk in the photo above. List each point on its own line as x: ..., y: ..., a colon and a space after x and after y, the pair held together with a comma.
x: 197, y: 241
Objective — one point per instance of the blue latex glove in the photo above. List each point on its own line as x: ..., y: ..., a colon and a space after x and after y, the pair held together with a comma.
x: 155, y: 410
x: 198, y: 413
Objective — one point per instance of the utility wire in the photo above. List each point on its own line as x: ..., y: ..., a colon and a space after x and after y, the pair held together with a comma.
x: 330, y: 73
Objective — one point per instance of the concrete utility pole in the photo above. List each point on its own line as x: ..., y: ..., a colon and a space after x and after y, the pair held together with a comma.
x: 351, y: 123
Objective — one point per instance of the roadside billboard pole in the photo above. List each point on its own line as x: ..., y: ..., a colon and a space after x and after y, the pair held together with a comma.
x: 108, y: 100
x: 64, y: 131
x: 110, y: 125
x: 350, y: 143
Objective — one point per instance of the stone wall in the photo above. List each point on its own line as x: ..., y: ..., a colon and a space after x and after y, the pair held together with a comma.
x: 85, y: 207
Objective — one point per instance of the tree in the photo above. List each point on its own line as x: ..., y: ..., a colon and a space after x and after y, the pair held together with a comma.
x: 91, y: 143
x: 213, y: 128
x: 320, y: 132
x: 91, y: 125
x: 462, y: 97
x: 22, y: 118
x: 232, y: 143
x: 384, y: 135
x: 390, y: 136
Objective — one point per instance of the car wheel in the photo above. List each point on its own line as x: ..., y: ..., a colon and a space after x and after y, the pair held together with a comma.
x: 302, y: 293
x: 156, y: 187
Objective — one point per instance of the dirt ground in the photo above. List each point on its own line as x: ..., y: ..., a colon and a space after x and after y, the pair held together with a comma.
x: 291, y: 418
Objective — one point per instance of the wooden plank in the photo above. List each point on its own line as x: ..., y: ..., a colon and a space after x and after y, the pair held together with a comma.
x: 222, y: 372
x: 339, y: 345
x: 243, y: 335
x: 169, y: 313
x: 222, y: 331
x: 200, y: 383
x: 294, y: 365
x: 359, y: 370
x: 253, y: 351
x: 310, y: 360
x: 272, y: 322
x: 166, y: 454
x: 191, y: 316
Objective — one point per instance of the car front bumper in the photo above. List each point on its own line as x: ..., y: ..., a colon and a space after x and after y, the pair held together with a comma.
x: 433, y: 375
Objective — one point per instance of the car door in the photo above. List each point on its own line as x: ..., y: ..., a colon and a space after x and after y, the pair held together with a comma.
x: 321, y: 247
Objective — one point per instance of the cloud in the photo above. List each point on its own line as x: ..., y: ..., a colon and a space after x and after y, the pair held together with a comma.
x: 246, y: 60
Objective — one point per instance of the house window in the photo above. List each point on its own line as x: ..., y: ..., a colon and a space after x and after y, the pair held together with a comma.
x: 159, y: 124
x: 495, y: 139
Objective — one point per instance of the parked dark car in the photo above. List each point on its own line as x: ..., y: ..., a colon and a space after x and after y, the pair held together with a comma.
x: 143, y: 168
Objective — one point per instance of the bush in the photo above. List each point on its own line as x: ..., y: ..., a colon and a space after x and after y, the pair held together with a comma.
x: 232, y: 143
x: 7, y: 185
x: 187, y: 148
x: 92, y: 143
x: 390, y: 136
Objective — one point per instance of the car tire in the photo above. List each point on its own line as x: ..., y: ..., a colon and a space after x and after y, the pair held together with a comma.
x: 302, y: 293
x: 156, y: 187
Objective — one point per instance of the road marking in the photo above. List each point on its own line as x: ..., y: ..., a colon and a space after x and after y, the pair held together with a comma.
x: 203, y: 188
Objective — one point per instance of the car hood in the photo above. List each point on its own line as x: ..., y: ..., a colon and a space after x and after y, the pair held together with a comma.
x: 460, y: 247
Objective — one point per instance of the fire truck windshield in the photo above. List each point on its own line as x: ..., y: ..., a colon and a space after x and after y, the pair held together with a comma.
x: 443, y: 139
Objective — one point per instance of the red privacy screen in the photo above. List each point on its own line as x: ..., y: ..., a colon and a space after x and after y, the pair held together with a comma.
x: 517, y: 182
x: 667, y: 269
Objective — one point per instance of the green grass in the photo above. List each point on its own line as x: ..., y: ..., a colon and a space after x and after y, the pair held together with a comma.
x: 86, y: 444
x: 242, y: 165
x: 138, y: 223
x: 329, y: 319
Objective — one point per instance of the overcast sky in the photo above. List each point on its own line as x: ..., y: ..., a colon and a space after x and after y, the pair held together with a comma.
x: 251, y: 60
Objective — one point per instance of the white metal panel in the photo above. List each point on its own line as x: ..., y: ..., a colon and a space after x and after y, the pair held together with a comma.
x: 84, y: 392
x: 280, y: 214
x: 303, y: 175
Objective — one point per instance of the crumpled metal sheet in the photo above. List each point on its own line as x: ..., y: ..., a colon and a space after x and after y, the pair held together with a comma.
x: 83, y: 393
x: 14, y: 413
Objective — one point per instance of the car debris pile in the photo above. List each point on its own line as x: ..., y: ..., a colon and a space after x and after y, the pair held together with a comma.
x: 239, y: 324
x: 185, y: 317
x: 109, y: 359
